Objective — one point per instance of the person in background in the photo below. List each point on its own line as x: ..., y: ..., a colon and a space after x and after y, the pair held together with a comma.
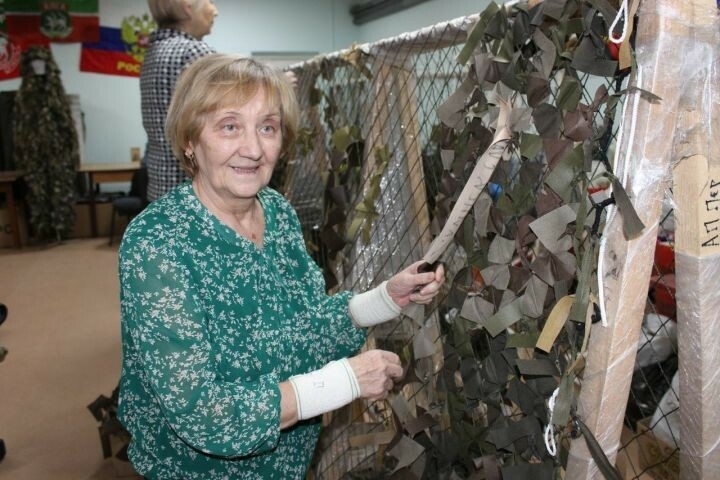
x: 175, y: 44
x: 232, y: 349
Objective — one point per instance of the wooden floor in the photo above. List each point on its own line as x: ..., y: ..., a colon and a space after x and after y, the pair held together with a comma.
x: 63, y: 338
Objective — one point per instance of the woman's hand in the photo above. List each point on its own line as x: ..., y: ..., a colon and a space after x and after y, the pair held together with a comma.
x: 376, y: 372
x: 410, y: 286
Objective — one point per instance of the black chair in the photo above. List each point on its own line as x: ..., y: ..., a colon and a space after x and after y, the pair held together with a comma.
x: 133, y: 203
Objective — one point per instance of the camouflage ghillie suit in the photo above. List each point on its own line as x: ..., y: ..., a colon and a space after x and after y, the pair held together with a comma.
x: 46, y: 146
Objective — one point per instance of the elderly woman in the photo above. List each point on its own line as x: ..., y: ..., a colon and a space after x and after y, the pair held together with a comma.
x: 176, y: 43
x: 231, y: 346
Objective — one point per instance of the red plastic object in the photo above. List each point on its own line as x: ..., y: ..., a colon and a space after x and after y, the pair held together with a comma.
x: 664, y: 258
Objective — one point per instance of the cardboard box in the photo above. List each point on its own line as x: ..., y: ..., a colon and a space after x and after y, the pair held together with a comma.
x: 6, y: 228
x: 81, y: 228
x: 103, y: 212
x: 661, y: 460
x: 644, y: 452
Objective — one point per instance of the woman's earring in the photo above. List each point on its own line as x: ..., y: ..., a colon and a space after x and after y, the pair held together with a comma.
x: 190, y: 155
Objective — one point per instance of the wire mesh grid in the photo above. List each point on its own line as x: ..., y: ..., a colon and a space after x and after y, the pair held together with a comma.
x: 371, y: 186
x: 651, y: 443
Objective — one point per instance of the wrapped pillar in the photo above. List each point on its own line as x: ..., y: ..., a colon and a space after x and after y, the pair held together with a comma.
x: 643, y: 165
x: 697, y: 248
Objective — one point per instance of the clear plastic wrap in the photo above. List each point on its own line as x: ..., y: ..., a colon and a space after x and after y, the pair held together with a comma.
x: 676, y: 55
x: 697, y: 246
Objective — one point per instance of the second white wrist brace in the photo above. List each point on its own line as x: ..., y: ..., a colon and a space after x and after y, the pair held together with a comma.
x: 373, y: 307
x: 329, y: 388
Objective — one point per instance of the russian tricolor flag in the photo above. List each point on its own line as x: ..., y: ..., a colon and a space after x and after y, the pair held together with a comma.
x: 110, y: 56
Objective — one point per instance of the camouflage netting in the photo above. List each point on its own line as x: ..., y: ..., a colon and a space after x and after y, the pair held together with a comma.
x: 390, y: 134
x: 46, y: 145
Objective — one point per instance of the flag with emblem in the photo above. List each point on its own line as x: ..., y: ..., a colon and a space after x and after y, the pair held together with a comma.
x: 12, y: 47
x: 58, y: 21
x: 120, y: 51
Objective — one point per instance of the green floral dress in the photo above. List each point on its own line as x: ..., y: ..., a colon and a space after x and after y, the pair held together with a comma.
x: 210, y: 325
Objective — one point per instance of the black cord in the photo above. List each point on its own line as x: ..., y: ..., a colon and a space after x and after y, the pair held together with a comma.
x: 599, y: 208
x: 608, y: 470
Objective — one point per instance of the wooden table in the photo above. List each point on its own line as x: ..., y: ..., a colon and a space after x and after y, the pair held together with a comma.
x: 7, y: 178
x: 98, y: 173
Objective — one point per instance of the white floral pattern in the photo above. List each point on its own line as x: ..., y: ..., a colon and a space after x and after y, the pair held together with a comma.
x: 210, y: 325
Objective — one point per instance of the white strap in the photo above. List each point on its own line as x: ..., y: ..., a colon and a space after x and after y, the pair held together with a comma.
x: 549, y: 434
x: 324, y: 390
x: 373, y: 307
x: 623, y: 12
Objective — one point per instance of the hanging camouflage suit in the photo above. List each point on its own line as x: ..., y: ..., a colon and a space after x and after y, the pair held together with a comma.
x: 46, y: 145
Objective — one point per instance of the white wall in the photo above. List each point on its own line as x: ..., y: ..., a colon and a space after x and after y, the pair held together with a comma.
x: 282, y: 25
x: 419, y: 16
x: 111, y: 104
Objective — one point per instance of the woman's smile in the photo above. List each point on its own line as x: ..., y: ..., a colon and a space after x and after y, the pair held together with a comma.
x: 246, y: 170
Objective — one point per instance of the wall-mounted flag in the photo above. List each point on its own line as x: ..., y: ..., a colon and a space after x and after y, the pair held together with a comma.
x: 120, y: 51
x: 59, y: 21
x: 12, y: 47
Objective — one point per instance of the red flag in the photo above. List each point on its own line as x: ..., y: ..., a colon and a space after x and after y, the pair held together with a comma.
x: 11, y: 49
x: 59, y: 21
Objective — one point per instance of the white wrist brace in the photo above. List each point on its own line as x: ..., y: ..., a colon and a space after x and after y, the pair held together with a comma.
x: 329, y: 388
x: 373, y: 307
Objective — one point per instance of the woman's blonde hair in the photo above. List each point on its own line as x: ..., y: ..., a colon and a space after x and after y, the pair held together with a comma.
x: 219, y: 80
x: 169, y: 13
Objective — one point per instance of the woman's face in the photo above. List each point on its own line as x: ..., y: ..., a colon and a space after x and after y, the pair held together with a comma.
x: 238, y: 148
x: 203, y: 17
